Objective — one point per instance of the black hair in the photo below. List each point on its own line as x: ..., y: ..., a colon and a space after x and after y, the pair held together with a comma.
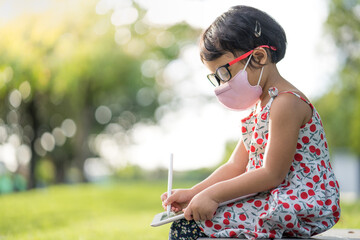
x: 237, y: 31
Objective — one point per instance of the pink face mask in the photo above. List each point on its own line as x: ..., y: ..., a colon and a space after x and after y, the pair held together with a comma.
x: 237, y: 93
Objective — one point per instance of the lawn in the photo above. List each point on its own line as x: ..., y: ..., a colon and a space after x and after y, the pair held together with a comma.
x: 85, y: 212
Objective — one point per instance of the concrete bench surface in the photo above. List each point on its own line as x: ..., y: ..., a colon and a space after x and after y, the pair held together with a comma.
x: 332, y: 234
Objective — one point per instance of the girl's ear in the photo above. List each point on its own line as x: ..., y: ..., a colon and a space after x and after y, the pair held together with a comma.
x: 260, y: 55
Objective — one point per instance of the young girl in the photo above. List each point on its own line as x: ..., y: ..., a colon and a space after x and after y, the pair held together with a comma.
x: 282, y: 156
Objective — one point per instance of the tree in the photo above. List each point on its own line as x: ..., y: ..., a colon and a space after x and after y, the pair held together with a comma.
x: 67, y: 68
x: 340, y: 107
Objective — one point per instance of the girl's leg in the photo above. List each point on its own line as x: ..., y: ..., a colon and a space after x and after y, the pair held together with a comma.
x: 185, y: 230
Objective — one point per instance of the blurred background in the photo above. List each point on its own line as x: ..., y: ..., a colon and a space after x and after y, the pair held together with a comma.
x: 96, y: 90
x: 104, y: 90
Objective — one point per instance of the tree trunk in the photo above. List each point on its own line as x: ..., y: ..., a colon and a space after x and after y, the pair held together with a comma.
x: 85, y: 119
x: 31, y: 110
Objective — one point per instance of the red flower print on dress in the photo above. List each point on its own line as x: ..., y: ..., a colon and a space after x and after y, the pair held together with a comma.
x: 290, y: 225
x: 334, y: 208
x: 293, y: 197
x: 298, y: 157
x: 328, y: 202
x: 209, y: 223
x: 226, y: 221
x: 316, y: 178
x: 312, y: 148
x: 318, y: 152
x: 313, y: 128
x: 258, y: 203
x: 305, y: 140
x: 286, y: 205
x: 264, y: 116
x: 311, y: 192
x: 217, y: 226
x: 304, y: 195
x: 252, y: 149
x: 243, y: 129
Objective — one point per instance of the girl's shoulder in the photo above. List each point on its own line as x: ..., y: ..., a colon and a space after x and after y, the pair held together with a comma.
x: 293, y: 106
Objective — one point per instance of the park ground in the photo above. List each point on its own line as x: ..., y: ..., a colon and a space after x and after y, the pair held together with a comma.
x: 99, y: 211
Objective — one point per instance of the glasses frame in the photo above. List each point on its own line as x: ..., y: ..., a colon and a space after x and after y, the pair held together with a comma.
x: 216, y: 76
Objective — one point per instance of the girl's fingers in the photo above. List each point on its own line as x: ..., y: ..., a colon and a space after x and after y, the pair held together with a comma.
x: 209, y: 217
x: 188, y: 214
x: 170, y: 199
x: 163, y: 196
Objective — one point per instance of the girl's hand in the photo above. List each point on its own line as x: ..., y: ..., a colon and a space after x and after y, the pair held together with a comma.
x: 201, y: 207
x: 179, y: 199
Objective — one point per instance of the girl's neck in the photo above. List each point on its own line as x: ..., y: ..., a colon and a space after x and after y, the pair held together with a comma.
x: 272, y: 79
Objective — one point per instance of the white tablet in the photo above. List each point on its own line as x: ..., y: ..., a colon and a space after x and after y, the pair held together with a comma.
x: 163, y: 218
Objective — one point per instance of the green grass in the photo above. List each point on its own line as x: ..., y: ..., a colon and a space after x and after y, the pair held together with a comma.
x: 349, y: 218
x: 85, y: 212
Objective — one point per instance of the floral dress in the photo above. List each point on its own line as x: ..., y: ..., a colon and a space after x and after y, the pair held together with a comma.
x: 306, y: 203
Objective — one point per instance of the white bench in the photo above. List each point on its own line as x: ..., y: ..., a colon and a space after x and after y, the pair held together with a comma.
x: 332, y: 234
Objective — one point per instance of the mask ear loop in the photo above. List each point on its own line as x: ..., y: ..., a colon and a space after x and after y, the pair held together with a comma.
x: 247, y: 63
x: 261, y: 73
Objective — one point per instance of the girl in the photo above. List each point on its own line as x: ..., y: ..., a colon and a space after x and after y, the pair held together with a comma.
x: 283, y: 154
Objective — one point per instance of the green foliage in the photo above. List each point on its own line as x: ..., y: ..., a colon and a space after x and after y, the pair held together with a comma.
x: 45, y: 172
x: 130, y: 172
x: 66, y: 61
x: 6, y: 184
x: 340, y: 107
x: 196, y: 175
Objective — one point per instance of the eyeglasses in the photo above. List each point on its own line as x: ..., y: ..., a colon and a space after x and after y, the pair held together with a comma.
x: 223, y: 74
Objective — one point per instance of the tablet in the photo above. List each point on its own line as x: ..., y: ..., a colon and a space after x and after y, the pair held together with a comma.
x: 163, y: 218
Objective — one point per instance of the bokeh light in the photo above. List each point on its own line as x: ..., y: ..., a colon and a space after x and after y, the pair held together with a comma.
x: 15, y: 98
x: 59, y: 136
x: 103, y: 114
x: 124, y: 16
x: 68, y: 126
x: 122, y: 36
x: 47, y: 142
x: 25, y: 90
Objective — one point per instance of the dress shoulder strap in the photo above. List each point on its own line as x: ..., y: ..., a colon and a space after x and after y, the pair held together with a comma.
x: 297, y: 95
x: 273, y: 93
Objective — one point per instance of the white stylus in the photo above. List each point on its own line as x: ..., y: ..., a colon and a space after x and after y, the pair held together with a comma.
x: 170, y: 175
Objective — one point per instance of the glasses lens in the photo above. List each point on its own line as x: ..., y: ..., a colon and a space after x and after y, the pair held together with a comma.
x: 213, y: 79
x: 223, y: 73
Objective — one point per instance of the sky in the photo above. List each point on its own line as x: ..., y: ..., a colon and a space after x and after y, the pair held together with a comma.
x: 197, y: 133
